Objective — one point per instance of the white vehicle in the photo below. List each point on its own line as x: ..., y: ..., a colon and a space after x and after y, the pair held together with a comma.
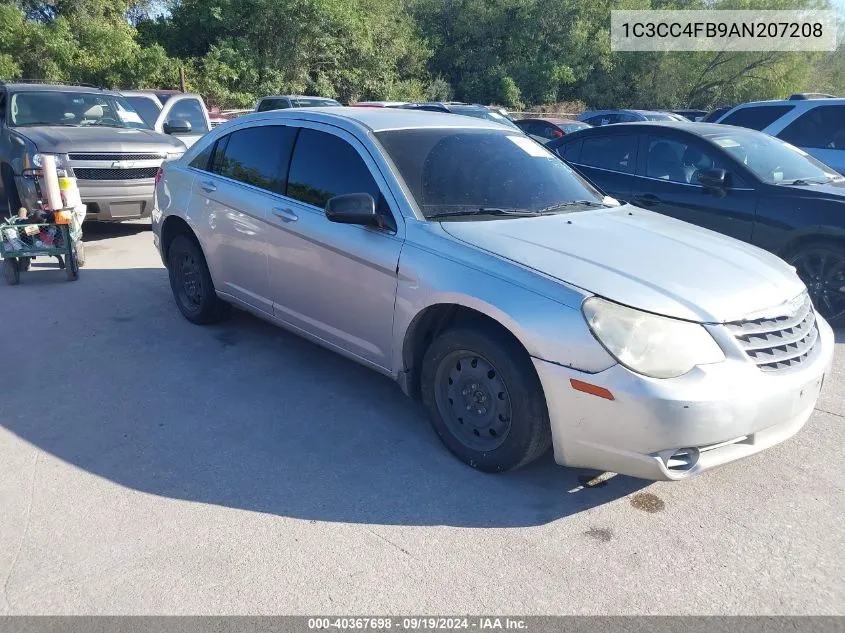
x: 182, y: 115
x: 815, y: 123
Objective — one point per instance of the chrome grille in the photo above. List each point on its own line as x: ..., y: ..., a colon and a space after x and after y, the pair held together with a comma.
x: 778, y: 343
x: 117, y: 156
x: 85, y: 173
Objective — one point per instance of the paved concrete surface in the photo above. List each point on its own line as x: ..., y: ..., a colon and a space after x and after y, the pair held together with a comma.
x: 148, y: 466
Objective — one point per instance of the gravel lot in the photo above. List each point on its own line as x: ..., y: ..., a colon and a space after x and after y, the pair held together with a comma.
x: 148, y: 466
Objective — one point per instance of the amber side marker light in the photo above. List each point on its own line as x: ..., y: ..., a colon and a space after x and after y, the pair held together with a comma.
x: 593, y: 390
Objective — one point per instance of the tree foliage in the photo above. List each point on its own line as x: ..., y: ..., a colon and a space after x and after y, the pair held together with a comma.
x: 517, y: 53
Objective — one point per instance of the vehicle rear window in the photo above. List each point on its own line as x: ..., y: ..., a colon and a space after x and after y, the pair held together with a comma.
x: 616, y: 153
x: 324, y: 166
x: 272, y: 104
x: 823, y: 127
x: 756, y: 117
x: 314, y: 103
x: 257, y: 156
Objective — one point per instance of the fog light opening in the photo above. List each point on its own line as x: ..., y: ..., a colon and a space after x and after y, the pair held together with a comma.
x: 682, y: 460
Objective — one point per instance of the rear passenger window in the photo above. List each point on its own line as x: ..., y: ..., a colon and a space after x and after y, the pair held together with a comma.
x: 756, y: 117
x: 257, y: 156
x: 324, y: 166
x: 201, y: 160
x: 570, y: 152
x: 616, y: 153
x: 822, y: 127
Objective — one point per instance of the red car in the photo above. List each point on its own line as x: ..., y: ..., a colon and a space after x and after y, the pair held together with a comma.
x: 545, y: 130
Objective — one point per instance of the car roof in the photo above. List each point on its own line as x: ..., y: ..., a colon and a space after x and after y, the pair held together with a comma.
x: 56, y: 88
x: 807, y: 103
x: 295, y: 97
x: 552, y: 120
x: 376, y: 119
x: 692, y: 127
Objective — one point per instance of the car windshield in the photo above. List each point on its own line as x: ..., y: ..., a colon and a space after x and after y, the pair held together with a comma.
x: 772, y: 160
x: 468, y: 171
x: 483, y: 113
x: 74, y: 109
x: 146, y: 107
x: 660, y: 116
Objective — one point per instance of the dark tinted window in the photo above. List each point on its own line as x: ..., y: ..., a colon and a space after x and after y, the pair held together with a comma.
x: 324, y: 166
x: 603, y: 119
x: 822, y: 127
x: 571, y: 151
x: 257, y: 156
x: 307, y: 102
x: 464, y: 170
x: 272, y: 104
x: 675, y: 161
x: 756, y: 117
x: 617, y: 152
x: 147, y: 108
x: 189, y: 110
x: 201, y: 160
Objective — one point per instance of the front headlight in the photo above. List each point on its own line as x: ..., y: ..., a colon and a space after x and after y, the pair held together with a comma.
x: 648, y: 344
x: 32, y: 164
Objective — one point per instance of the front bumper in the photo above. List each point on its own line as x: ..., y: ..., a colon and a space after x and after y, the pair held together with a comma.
x: 106, y: 200
x: 719, y: 412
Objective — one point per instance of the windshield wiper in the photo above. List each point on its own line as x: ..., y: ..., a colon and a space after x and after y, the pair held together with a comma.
x: 803, y: 183
x: 554, y: 208
x: 483, y: 211
x: 53, y: 123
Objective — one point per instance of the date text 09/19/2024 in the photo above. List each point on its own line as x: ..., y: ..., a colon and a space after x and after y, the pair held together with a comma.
x: 417, y: 623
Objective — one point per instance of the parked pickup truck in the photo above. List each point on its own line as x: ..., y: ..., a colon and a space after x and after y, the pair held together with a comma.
x: 114, y: 154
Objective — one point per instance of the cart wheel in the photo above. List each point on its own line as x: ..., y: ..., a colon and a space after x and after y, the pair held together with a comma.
x: 79, y: 251
x: 24, y: 264
x: 11, y: 272
x: 71, y: 266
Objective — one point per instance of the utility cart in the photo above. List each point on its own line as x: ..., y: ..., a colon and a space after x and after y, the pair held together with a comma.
x: 21, y: 242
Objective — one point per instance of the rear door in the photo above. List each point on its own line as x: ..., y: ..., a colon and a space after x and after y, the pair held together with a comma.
x: 820, y: 131
x: 667, y: 183
x: 608, y: 160
x: 188, y: 108
x: 234, y: 193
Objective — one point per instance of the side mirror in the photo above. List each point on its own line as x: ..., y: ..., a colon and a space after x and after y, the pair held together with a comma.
x: 354, y: 208
x: 712, y: 178
x: 177, y: 126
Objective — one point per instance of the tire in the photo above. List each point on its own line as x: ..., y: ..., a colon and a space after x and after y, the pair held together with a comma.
x: 10, y: 190
x: 79, y: 251
x: 191, y: 283
x: 821, y: 266
x: 484, y: 399
x: 71, y: 266
x: 11, y: 272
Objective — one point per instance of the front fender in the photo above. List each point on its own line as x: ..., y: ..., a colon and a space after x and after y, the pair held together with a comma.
x: 550, y: 328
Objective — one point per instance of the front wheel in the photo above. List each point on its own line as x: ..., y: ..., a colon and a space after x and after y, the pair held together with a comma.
x: 484, y: 399
x: 821, y: 266
x: 190, y: 281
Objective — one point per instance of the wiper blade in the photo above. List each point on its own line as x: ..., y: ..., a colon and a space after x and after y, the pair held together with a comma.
x: 803, y: 183
x: 483, y: 211
x: 51, y: 123
x: 572, y: 203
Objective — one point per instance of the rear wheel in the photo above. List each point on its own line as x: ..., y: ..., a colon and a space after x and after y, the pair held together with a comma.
x: 190, y: 281
x: 11, y: 272
x: 484, y: 399
x: 821, y: 266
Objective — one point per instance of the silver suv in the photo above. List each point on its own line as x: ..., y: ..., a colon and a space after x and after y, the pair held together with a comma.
x: 465, y: 261
x: 114, y: 154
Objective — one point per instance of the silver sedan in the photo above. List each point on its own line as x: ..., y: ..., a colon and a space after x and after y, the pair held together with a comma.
x: 524, y: 308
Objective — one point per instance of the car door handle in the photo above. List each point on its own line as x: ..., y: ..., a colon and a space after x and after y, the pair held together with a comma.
x: 647, y: 200
x: 208, y: 186
x: 285, y: 215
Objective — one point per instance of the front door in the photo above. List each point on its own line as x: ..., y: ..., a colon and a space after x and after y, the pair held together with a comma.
x: 335, y: 281
x: 667, y: 183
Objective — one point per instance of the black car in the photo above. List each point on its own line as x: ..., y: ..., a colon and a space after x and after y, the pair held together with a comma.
x: 733, y: 180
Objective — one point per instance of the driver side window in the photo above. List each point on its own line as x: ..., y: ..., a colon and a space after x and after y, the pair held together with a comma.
x: 675, y: 161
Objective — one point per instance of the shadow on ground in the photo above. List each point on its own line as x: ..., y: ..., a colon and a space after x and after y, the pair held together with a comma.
x: 244, y: 415
x: 96, y: 231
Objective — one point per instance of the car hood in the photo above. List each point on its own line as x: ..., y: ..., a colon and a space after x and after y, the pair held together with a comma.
x: 63, y: 140
x: 643, y: 260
